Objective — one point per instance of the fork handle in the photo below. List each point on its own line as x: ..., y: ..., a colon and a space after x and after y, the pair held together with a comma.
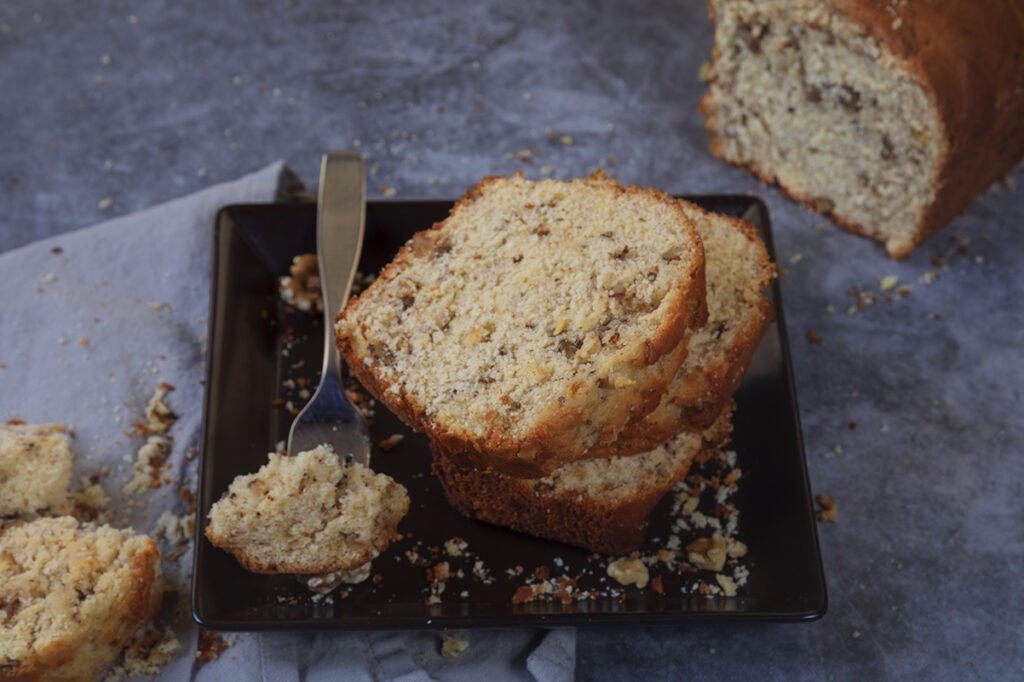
x: 340, y: 221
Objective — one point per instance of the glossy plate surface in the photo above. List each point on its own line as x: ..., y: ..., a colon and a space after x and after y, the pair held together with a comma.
x: 261, y: 356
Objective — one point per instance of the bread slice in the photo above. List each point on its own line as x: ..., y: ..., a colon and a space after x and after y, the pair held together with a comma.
x: 71, y: 596
x: 535, y: 322
x: 738, y: 270
x: 890, y: 117
x: 308, y: 514
x: 35, y: 469
x: 600, y: 504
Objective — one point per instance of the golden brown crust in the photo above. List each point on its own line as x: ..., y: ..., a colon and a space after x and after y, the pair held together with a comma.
x: 559, y: 438
x: 969, y: 58
x: 319, y: 516
x: 503, y: 501
x: 327, y: 565
x: 601, y: 523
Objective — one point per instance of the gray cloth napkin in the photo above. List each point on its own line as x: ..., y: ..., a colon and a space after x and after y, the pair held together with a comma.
x: 90, y: 323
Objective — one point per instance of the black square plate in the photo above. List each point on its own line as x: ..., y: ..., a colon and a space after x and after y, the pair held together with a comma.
x: 261, y: 353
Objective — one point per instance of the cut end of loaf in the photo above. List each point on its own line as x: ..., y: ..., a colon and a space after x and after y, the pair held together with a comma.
x: 308, y: 514
x: 805, y: 99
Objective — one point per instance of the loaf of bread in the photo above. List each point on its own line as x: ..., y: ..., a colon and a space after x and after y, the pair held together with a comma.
x: 309, y: 514
x: 887, y: 115
x: 599, y: 504
x: 35, y: 469
x: 738, y: 271
x: 71, y: 597
x: 533, y: 324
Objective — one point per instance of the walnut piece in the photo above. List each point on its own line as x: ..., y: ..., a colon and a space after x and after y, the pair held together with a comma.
x: 629, y: 571
x: 302, y: 288
x: 708, y: 553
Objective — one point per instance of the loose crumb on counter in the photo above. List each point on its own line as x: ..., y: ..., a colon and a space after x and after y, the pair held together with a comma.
x: 147, y: 654
x: 211, y: 645
x: 829, y: 512
x: 389, y: 443
x: 453, y: 645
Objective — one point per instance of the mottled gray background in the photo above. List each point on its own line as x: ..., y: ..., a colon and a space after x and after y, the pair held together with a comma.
x: 107, y: 107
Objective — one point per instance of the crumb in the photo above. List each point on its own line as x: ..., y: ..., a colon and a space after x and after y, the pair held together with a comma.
x: 149, y: 651
x: 159, y: 416
x: 389, y: 443
x: 796, y: 258
x: 727, y: 584
x: 852, y: 426
x: 453, y: 645
x: 735, y: 549
x: 90, y: 503
x: 527, y: 593
x: 829, y: 512
x: 889, y: 282
x: 177, y: 530
x: 814, y: 338
x: 83, y: 342
x: 455, y: 547
x: 388, y: 191
x: 707, y: 72
x: 566, y: 140
x: 105, y: 203
x: 657, y: 584
x: 149, y: 465
x: 211, y: 645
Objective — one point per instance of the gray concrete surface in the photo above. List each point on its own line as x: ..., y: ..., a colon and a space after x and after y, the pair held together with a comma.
x: 111, y: 106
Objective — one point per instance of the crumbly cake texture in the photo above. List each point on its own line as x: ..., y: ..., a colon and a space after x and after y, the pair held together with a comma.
x: 534, y: 322
x: 71, y: 596
x: 600, y: 504
x: 35, y: 469
x: 738, y: 271
x: 308, y: 514
x: 888, y: 116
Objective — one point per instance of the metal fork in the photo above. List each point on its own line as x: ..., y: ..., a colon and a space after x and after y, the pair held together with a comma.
x: 329, y: 417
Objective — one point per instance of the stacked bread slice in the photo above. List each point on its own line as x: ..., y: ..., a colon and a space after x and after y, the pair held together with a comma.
x: 568, y: 348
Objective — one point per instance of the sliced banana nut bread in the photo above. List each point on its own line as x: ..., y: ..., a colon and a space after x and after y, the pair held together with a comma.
x: 71, y: 596
x: 600, y: 504
x: 738, y: 271
x: 535, y: 322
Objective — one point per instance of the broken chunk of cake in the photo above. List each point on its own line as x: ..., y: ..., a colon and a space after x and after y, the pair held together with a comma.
x: 310, y: 514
